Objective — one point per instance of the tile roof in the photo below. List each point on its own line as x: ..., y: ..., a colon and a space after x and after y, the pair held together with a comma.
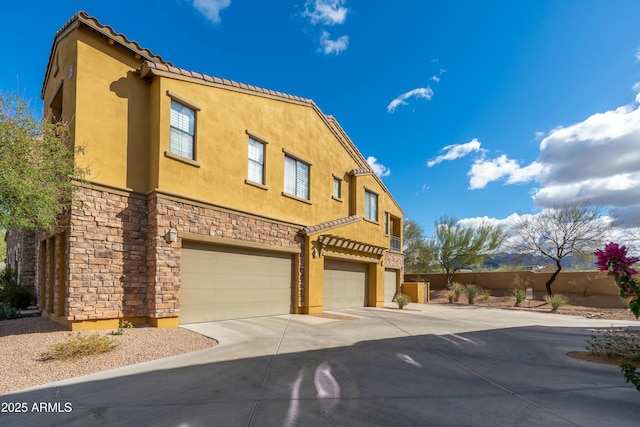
x: 82, y: 18
x: 361, y: 171
x: 329, y: 224
x: 150, y: 66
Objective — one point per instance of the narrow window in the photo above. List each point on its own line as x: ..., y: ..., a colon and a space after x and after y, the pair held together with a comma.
x: 183, y: 125
x: 370, y: 205
x: 337, y: 188
x: 256, y: 161
x: 296, y: 178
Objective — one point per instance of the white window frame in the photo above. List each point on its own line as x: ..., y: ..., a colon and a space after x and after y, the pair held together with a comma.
x: 182, y: 129
x: 337, y: 188
x: 370, y: 209
x: 297, y: 177
x: 255, y: 167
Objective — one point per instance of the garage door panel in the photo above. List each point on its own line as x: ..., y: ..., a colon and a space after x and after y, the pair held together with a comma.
x: 390, y: 283
x: 345, y: 284
x: 227, y: 283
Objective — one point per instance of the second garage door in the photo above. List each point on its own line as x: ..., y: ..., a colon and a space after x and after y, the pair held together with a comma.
x: 390, y: 278
x: 220, y: 282
x: 345, y: 284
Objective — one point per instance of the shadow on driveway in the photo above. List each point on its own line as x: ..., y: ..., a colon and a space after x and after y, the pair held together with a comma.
x: 513, y: 376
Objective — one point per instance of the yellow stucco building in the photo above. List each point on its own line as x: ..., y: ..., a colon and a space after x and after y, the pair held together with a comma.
x: 207, y: 199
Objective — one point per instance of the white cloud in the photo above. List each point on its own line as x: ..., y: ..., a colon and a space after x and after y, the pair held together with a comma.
x: 539, y: 135
x: 452, y: 152
x: 329, y: 46
x: 378, y: 168
x: 421, y: 92
x: 435, y: 79
x: 327, y: 12
x: 636, y: 88
x: 638, y: 55
x: 211, y: 8
x: 596, y: 160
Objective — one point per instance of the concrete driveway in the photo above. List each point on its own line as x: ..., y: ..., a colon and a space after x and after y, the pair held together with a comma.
x: 429, y: 365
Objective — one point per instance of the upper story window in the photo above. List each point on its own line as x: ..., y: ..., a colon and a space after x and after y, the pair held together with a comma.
x: 370, y: 205
x: 337, y: 188
x: 256, y: 161
x: 183, y: 130
x: 296, y: 177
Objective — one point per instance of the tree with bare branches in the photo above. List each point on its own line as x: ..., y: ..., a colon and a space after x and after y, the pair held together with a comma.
x: 573, y: 228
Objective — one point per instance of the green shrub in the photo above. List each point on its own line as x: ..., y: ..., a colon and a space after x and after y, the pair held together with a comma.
x: 124, y: 324
x: 11, y: 292
x: 555, y: 301
x: 456, y: 290
x: 7, y: 312
x: 518, y: 286
x: 80, y: 346
x: 631, y: 375
x: 471, y: 292
x: 519, y: 294
x: 402, y: 300
x: 450, y: 296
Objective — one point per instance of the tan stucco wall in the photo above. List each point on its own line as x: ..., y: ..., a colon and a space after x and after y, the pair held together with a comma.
x: 586, y: 283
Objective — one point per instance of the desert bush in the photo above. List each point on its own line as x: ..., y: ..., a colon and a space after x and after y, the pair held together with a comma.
x: 485, y: 294
x: 555, y: 301
x: 519, y: 294
x: 456, y: 290
x: 80, y: 346
x: 402, y: 300
x: 620, y: 343
x: 472, y: 291
x: 11, y: 292
x: 7, y: 312
x: 122, y: 325
x: 518, y: 289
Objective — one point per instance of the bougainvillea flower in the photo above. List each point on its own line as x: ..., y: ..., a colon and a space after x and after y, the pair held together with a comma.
x: 614, y: 259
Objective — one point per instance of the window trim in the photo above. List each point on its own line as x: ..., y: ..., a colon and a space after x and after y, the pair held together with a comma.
x: 336, y: 178
x: 263, y: 165
x: 375, y: 193
x: 195, y: 108
x: 299, y: 159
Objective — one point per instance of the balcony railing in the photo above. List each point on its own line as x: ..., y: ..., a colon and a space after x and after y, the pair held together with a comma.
x: 394, y: 244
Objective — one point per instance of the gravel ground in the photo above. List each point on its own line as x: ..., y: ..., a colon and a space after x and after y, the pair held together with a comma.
x: 22, y: 342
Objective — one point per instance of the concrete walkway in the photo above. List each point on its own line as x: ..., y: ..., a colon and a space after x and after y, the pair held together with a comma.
x: 429, y: 365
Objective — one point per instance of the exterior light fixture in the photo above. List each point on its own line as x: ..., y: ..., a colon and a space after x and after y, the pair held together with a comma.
x: 171, y: 235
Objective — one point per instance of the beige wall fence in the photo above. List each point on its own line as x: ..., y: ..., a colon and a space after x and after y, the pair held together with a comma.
x: 585, y: 283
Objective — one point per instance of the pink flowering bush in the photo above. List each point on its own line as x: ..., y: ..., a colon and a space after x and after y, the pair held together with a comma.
x: 614, y: 260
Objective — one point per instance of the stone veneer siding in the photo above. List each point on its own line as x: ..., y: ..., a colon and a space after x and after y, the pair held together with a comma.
x: 207, y: 221
x: 120, y: 264
x: 21, y: 256
x: 394, y: 260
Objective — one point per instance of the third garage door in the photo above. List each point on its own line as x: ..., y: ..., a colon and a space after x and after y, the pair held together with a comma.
x: 345, y: 284
x: 220, y: 282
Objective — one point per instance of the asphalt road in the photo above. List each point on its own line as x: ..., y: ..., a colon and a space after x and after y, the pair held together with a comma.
x: 430, y: 365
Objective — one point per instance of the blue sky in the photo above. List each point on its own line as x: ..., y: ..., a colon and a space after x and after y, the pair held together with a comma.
x: 472, y: 109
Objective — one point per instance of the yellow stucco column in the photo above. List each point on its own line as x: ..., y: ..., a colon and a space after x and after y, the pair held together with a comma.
x: 313, y: 278
x: 376, y: 285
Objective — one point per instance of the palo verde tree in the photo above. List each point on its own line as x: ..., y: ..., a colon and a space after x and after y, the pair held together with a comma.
x: 464, y: 246
x: 419, y: 254
x: 37, y: 169
x: 563, y: 230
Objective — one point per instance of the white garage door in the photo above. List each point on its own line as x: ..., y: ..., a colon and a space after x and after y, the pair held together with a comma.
x: 390, y: 277
x: 220, y: 282
x: 345, y: 284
